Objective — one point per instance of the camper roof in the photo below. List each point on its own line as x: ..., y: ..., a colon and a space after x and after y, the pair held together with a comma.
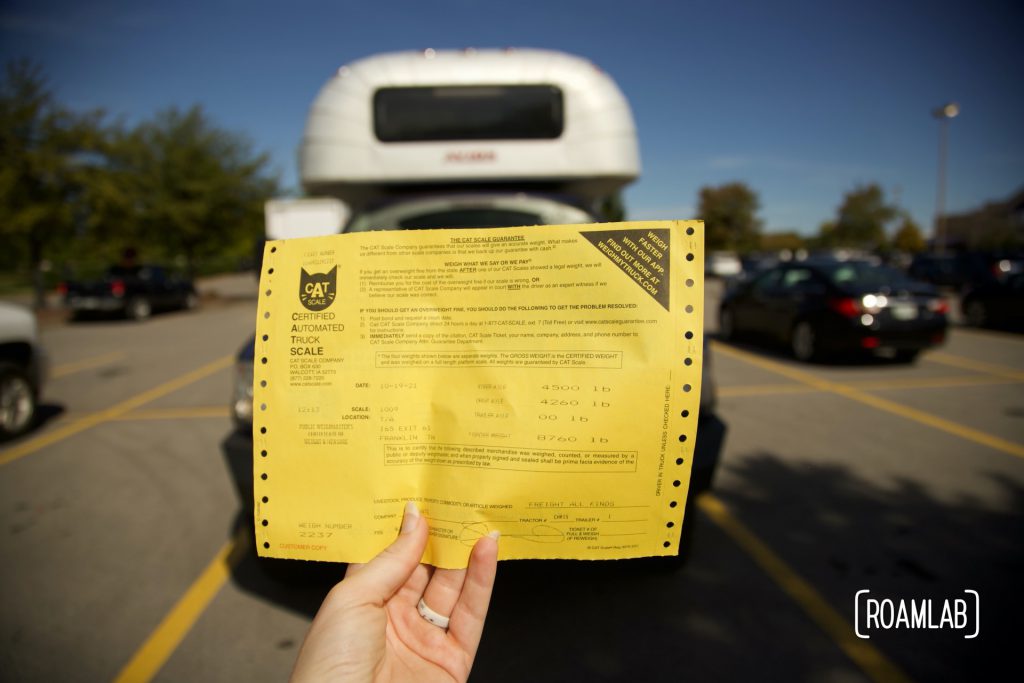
x: 529, y: 118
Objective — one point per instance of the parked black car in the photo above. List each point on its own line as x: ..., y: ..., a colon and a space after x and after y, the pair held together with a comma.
x: 999, y: 303
x: 135, y: 292
x: 962, y: 270
x: 826, y: 307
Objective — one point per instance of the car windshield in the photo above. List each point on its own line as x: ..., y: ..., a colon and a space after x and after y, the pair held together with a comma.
x: 864, y: 275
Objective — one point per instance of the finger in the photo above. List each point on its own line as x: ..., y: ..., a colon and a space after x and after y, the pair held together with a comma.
x: 381, y: 577
x: 411, y: 590
x: 467, y: 621
x: 444, y: 589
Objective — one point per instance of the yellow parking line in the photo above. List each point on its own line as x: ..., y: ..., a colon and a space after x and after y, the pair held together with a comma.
x: 199, y: 412
x: 85, y: 364
x: 976, y: 365
x: 59, y: 434
x: 855, y: 394
x: 932, y: 383
x: 875, y: 664
x: 763, y: 390
x: 173, y: 628
x: 870, y: 385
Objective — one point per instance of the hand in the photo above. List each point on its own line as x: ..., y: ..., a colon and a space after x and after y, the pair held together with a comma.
x: 369, y: 628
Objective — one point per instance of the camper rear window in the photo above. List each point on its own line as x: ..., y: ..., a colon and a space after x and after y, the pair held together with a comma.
x: 471, y: 218
x: 504, y: 112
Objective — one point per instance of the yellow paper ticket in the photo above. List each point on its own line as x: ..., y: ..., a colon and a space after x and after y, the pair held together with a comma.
x: 543, y: 382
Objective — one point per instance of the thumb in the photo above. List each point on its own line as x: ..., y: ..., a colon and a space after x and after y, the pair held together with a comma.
x: 382, y: 576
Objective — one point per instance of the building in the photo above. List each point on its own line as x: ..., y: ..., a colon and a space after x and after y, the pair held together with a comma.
x: 996, y: 225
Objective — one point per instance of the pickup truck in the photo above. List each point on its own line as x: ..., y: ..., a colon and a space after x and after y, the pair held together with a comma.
x: 135, y: 292
x: 23, y: 364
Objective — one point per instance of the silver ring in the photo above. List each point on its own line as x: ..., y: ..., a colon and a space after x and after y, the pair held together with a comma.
x: 433, y: 617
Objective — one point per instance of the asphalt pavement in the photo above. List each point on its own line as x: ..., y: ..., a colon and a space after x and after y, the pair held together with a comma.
x: 124, y: 557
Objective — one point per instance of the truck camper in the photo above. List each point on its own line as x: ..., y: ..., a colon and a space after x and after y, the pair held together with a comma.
x: 471, y: 138
x: 434, y: 120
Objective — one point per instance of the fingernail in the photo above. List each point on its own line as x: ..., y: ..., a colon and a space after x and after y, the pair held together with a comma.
x: 411, y: 518
x: 495, y: 534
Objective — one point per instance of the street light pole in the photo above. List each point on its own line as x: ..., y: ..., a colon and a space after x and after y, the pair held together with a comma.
x: 943, y: 114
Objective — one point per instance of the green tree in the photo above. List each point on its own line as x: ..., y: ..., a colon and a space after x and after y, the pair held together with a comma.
x: 196, y: 190
x: 779, y: 241
x: 826, y: 237
x: 43, y: 152
x: 908, y: 237
x: 860, y: 220
x: 730, y: 218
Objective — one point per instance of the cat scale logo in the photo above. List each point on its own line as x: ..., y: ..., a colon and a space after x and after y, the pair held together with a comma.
x: 317, y: 290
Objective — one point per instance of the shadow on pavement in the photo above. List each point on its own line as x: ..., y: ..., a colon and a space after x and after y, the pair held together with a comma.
x: 293, y: 585
x: 45, y: 412
x: 845, y: 534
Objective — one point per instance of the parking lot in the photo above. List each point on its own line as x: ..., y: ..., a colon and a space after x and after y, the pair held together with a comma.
x: 124, y: 558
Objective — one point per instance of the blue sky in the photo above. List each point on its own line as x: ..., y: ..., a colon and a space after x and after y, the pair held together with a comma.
x: 801, y: 100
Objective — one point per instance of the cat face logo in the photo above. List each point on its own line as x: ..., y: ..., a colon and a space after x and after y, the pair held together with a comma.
x: 317, y: 291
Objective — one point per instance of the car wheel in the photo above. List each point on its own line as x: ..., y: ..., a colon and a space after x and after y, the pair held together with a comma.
x: 191, y: 301
x: 726, y: 324
x: 803, y: 342
x: 139, y: 309
x: 17, y: 402
x: 976, y: 314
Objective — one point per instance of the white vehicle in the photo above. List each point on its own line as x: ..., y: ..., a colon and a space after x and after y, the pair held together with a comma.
x: 22, y: 370
x: 723, y: 264
x: 506, y: 137
x: 529, y: 120
x: 310, y: 217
